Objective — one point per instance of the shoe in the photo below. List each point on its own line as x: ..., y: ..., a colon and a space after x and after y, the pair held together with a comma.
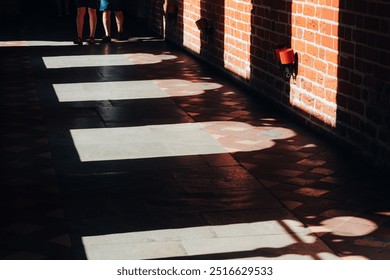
x: 106, y: 39
x: 91, y: 41
x: 78, y: 41
x: 121, y: 36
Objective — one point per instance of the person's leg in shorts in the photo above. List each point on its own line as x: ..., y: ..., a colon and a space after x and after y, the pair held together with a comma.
x: 107, y: 6
x: 118, y: 6
x: 82, y: 6
x: 92, y: 7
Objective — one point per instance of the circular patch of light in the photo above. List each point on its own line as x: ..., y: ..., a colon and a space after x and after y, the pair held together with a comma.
x: 350, y: 226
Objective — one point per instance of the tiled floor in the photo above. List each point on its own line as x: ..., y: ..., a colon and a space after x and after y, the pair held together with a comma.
x: 134, y: 150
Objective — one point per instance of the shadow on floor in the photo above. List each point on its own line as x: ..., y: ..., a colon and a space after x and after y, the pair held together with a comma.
x: 153, y: 155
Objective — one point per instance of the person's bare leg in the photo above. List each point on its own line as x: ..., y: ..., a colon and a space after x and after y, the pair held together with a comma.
x: 80, y: 24
x: 107, y: 22
x: 119, y: 18
x: 92, y: 22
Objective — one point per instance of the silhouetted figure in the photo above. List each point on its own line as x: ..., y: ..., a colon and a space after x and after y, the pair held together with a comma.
x: 117, y: 6
x: 82, y: 6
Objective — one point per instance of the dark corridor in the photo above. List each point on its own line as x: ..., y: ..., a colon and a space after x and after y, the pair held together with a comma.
x: 134, y: 150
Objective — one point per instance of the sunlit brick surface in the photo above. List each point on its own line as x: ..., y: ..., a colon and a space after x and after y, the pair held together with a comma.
x: 342, y: 52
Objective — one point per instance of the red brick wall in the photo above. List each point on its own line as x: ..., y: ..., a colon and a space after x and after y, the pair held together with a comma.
x: 363, y: 95
x: 342, y: 87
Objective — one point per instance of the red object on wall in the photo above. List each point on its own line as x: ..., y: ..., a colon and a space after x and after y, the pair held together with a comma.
x: 277, y: 54
x: 287, y: 56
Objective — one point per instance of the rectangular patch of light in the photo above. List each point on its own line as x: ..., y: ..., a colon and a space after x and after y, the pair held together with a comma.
x: 241, y: 238
x: 152, y: 141
x: 53, y: 62
x: 49, y: 43
x: 126, y: 90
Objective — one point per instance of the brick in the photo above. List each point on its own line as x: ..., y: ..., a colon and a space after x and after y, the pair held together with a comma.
x: 296, y: 32
x: 284, y: 17
x: 332, y: 70
x: 382, y: 42
x: 327, y: 41
x: 307, y: 60
x: 335, y: 30
x: 309, y: 10
x: 331, y: 83
x: 356, y: 106
x: 367, y: 53
x: 371, y: 23
x: 343, y: 73
x: 331, y: 96
x: 328, y: 14
x: 312, y: 50
x: 347, y: 62
x: 320, y: 79
x: 335, y: 3
x: 365, y: 67
x: 384, y: 57
x: 345, y: 89
x: 330, y: 111
x: 318, y: 38
x: 357, y: 93
x: 331, y: 56
x: 346, y: 47
x: 321, y: 54
x: 301, y: 70
x: 299, y: 45
x: 311, y: 74
x: 381, y: 72
x: 345, y: 33
x: 320, y: 66
x: 300, y: 21
x: 382, y: 10
x: 319, y: 105
x: 355, y: 79
x: 348, y: 18
x: 281, y: 28
x: 308, y: 36
x: 344, y: 117
x: 319, y: 91
x: 326, y: 28
x: 360, y: 6
x: 359, y: 21
x: 372, y: 8
x: 306, y: 99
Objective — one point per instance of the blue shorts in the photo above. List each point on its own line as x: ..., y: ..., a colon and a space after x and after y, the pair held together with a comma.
x: 93, y: 4
x: 112, y: 5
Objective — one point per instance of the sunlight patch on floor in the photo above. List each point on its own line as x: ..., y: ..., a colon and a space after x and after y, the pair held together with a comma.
x: 253, y: 240
x: 70, y: 61
x: 13, y: 44
x: 173, y: 140
x: 129, y: 90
